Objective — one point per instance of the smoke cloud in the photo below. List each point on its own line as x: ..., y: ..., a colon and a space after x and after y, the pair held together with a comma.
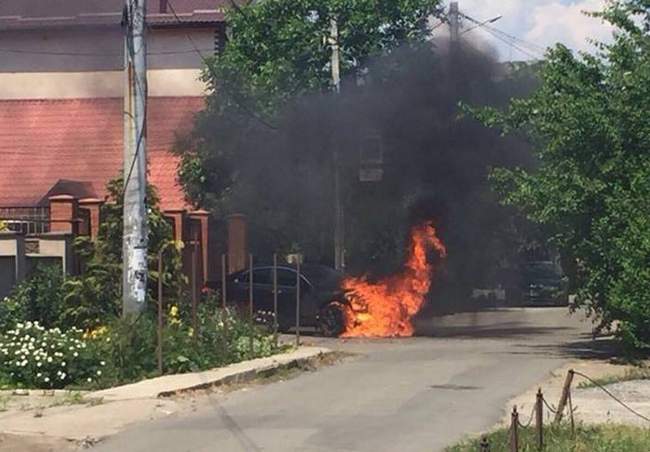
x: 400, y: 119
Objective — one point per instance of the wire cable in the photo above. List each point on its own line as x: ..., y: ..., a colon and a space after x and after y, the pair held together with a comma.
x: 530, y: 421
x: 529, y: 49
x: 620, y: 402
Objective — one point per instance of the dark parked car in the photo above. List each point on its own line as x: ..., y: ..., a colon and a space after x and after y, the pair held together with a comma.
x: 543, y: 284
x: 322, y: 302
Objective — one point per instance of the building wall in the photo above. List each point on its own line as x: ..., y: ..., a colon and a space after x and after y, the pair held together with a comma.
x: 59, y: 64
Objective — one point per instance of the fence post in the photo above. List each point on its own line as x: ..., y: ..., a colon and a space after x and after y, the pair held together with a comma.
x: 564, y: 397
x: 484, y: 445
x: 224, y: 282
x: 539, y: 419
x: 275, y: 299
x: 250, y: 301
x: 573, y: 424
x: 195, y: 320
x: 298, y: 301
x: 160, y: 312
x: 514, y: 430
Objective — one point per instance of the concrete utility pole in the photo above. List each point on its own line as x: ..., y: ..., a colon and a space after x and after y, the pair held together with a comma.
x: 454, y: 21
x: 135, y: 234
x: 339, y: 219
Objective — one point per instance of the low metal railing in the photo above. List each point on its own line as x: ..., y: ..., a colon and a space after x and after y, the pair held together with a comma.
x: 27, y: 220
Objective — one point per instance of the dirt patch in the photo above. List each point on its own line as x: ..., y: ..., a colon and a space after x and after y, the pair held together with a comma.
x: 14, y: 443
x: 591, y: 404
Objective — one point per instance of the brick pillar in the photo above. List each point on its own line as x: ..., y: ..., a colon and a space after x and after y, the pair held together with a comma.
x: 202, y: 217
x: 92, y: 205
x: 177, y: 216
x: 237, y: 243
x: 63, y: 212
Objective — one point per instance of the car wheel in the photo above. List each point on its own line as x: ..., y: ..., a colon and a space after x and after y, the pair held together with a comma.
x: 331, y: 321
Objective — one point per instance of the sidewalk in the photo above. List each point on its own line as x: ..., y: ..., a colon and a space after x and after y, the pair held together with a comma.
x: 116, y: 408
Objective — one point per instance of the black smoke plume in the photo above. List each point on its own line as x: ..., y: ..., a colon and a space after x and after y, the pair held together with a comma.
x: 400, y: 116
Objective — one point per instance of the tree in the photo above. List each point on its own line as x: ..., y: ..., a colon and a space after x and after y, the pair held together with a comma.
x: 591, y: 189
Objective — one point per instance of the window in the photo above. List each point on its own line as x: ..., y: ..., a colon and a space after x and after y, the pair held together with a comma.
x: 262, y: 276
x: 286, y: 277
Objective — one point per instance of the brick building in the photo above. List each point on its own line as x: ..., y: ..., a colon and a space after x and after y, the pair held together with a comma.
x: 61, y: 114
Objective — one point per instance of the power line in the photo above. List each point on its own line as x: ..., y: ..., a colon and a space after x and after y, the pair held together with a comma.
x: 521, y: 45
x: 513, y: 45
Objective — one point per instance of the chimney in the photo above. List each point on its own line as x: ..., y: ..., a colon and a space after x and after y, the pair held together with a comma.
x: 163, y: 6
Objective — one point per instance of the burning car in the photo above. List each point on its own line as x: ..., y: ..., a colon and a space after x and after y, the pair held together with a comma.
x: 322, y: 301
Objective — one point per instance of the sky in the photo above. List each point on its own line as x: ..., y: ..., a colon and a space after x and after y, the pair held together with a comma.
x: 540, y: 23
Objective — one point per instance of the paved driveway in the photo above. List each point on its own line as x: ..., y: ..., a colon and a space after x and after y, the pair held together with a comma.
x: 417, y: 394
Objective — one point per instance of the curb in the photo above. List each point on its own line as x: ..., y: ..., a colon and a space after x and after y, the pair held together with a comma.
x: 169, y: 385
x: 249, y: 375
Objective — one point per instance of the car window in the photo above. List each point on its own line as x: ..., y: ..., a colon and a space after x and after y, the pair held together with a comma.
x: 262, y: 276
x: 286, y: 277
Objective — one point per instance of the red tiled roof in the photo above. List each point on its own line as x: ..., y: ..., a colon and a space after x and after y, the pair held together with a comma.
x: 44, y: 141
x: 18, y: 14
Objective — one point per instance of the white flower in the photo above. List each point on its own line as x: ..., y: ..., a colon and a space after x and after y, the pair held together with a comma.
x: 75, y: 354
x: 89, y: 380
x: 62, y: 376
x: 99, y: 372
x: 38, y: 375
x: 63, y: 363
x: 49, y: 358
x: 24, y: 363
x: 46, y: 379
x: 39, y: 364
x: 103, y: 363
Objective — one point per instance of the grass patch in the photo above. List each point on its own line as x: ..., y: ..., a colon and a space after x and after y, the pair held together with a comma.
x: 638, y: 373
x: 602, y: 438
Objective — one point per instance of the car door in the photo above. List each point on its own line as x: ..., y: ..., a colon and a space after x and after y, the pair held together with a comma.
x: 287, y: 297
x: 262, y: 289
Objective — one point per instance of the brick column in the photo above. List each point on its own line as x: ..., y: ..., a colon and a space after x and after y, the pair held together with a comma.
x: 237, y: 243
x: 202, y: 217
x: 63, y: 212
x: 92, y: 205
x: 177, y: 216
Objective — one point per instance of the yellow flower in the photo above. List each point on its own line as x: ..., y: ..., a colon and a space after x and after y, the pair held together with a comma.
x: 97, y: 332
x: 173, y: 311
x: 190, y: 332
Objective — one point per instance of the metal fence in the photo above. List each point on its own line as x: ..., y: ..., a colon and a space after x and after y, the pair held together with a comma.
x: 27, y: 220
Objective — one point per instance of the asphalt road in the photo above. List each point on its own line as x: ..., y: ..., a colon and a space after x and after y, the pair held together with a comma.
x: 416, y: 394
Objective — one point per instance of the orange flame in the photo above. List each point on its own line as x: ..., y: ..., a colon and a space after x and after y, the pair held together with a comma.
x: 385, y: 308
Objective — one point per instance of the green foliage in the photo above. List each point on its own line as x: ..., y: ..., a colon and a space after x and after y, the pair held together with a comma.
x: 95, y: 296
x: 607, y: 438
x: 591, y: 188
x: 38, y: 298
x: 36, y: 357
x: 129, y: 345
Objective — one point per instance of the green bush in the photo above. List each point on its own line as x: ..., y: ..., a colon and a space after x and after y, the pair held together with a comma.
x: 37, y: 357
x: 125, y: 349
x: 38, y: 298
